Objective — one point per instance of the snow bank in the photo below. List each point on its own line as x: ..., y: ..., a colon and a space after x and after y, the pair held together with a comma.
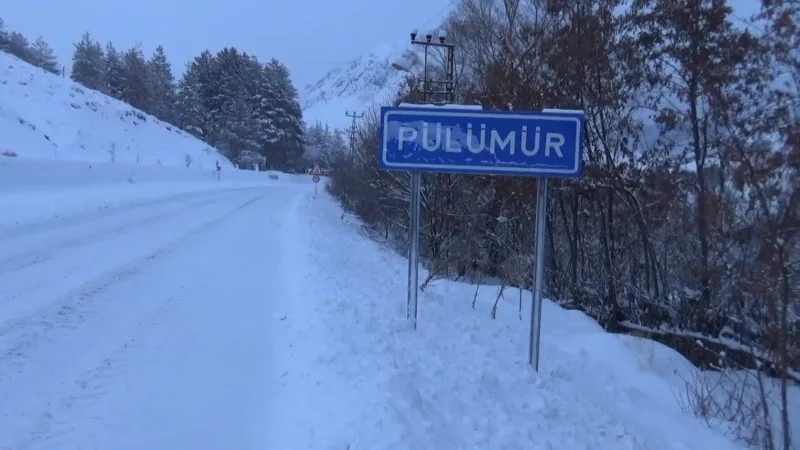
x: 44, y: 116
x: 18, y: 175
x: 462, y: 379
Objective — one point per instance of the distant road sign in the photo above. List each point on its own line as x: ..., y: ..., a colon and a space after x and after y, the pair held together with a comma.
x: 482, y: 142
x: 315, y: 178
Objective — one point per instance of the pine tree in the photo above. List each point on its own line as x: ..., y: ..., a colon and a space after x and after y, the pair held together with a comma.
x: 136, y: 87
x: 240, y: 106
x: 264, y: 124
x: 285, y: 147
x: 88, y: 63
x: 4, y: 38
x: 337, y: 145
x: 162, y: 86
x: 191, y: 109
x: 16, y: 44
x: 231, y: 129
x: 316, y: 143
x: 43, y: 56
x: 115, y: 72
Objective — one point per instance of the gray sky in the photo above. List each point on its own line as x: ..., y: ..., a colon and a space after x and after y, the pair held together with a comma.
x: 309, y: 36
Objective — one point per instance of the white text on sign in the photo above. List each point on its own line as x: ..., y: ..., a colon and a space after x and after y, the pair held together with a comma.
x: 453, y: 139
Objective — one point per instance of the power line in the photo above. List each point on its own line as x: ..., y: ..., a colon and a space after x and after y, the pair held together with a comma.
x: 446, y: 7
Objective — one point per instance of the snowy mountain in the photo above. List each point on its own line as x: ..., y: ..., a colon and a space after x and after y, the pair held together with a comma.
x: 356, y: 86
x: 44, y: 116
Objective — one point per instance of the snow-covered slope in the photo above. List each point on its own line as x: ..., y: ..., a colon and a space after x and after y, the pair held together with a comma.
x: 355, y: 86
x: 44, y: 116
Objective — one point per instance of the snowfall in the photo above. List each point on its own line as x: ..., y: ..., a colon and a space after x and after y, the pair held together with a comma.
x: 146, y: 303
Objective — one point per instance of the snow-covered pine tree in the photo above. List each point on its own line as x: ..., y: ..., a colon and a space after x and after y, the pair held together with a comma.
x: 115, y: 72
x: 18, y: 45
x: 263, y: 124
x: 251, y: 78
x: 136, y: 89
x: 191, y: 106
x: 88, y: 63
x: 3, y: 35
x: 316, y: 141
x: 286, y: 145
x: 42, y: 55
x: 229, y: 105
x: 332, y: 147
x: 238, y: 105
x: 188, y: 105
x: 162, y: 86
x: 338, y: 146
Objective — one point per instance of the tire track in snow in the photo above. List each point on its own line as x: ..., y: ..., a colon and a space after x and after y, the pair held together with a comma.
x: 43, y: 240
x: 23, y: 295
x: 70, y: 303
x: 95, y: 384
x: 148, y: 358
x: 66, y: 317
x: 44, y: 250
x: 59, y: 221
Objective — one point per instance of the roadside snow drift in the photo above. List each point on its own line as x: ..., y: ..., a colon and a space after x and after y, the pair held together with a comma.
x: 45, y: 116
x: 461, y: 381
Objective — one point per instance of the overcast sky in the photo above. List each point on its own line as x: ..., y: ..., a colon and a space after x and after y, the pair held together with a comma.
x: 309, y: 36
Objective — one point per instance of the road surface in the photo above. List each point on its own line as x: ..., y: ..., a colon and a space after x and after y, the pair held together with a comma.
x: 146, y: 326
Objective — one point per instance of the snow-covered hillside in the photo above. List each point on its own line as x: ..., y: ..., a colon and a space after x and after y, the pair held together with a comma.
x: 355, y: 86
x: 44, y: 116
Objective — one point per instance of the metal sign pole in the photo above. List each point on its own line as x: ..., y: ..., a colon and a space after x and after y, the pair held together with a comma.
x: 538, y: 272
x: 413, y: 249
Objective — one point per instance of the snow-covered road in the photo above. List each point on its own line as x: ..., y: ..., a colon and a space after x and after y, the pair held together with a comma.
x: 258, y: 318
x: 146, y: 326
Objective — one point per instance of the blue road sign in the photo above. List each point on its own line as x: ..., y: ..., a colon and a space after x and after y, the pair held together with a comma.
x: 432, y: 139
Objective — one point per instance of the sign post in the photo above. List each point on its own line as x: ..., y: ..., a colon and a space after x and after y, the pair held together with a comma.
x: 415, y: 187
x: 466, y: 140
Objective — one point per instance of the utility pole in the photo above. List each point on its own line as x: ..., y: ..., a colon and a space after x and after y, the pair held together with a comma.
x: 432, y: 92
x: 355, y: 116
x: 432, y: 89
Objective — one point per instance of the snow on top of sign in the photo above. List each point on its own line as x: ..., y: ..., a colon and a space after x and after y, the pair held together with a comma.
x: 557, y: 110
x: 447, y: 105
